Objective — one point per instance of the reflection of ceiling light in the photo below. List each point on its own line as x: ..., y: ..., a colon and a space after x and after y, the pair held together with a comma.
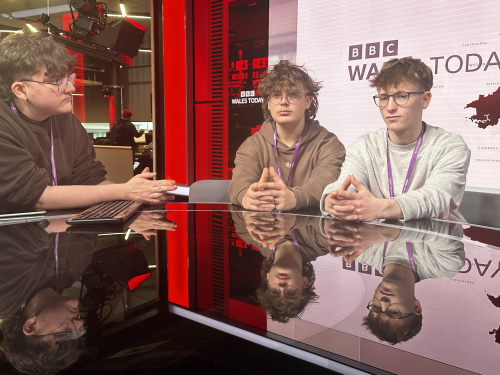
x: 32, y: 28
x: 122, y: 7
x: 11, y: 31
x: 144, y: 50
x: 37, y: 11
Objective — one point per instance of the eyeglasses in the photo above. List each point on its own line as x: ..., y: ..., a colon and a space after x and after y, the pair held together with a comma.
x: 69, y: 334
x: 289, y: 292
x: 276, y: 97
x: 392, y: 311
x: 400, y: 98
x: 62, y: 84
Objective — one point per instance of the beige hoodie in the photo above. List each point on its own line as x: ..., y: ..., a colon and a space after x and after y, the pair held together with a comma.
x: 318, y: 163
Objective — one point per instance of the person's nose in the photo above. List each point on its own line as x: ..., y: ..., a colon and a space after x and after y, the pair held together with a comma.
x: 391, y: 104
x: 78, y: 322
x: 70, y: 87
x: 284, y: 100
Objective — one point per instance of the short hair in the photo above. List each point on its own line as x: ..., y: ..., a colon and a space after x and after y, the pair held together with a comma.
x: 404, y: 70
x: 387, y: 330
x: 30, y: 355
x: 25, y: 54
x: 282, y: 309
x: 126, y: 113
x: 286, y: 75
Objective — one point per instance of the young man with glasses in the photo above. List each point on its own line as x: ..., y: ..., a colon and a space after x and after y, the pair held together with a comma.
x: 289, y: 161
x: 46, y: 159
x: 408, y: 170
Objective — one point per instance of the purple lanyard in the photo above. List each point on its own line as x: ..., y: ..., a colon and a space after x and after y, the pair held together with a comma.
x: 410, y: 168
x: 410, y: 257
x: 297, y: 146
x: 294, y: 241
x: 54, y: 181
x: 405, y: 188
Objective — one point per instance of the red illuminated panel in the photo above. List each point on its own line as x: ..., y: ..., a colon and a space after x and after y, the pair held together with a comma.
x: 177, y: 257
x: 138, y: 280
x: 174, y: 51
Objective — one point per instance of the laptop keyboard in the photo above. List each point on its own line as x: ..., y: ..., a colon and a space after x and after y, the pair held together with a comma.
x: 106, y: 212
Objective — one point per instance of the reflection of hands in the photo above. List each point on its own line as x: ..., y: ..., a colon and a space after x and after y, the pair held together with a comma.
x: 267, y: 229
x: 148, y: 222
x: 140, y: 187
x: 351, y: 239
x: 362, y: 206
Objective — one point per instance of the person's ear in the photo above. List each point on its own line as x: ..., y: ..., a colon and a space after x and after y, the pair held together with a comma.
x: 19, y: 90
x: 306, y: 282
x: 426, y: 99
x: 417, y: 307
x: 309, y: 100
x: 29, y: 326
x: 267, y: 278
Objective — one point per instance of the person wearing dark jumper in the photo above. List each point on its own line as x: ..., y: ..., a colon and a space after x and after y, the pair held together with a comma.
x: 129, y: 131
x: 46, y: 159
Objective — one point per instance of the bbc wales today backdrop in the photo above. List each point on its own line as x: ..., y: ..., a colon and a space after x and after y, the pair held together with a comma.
x: 345, y: 43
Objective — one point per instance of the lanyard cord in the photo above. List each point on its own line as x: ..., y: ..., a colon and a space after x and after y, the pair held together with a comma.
x: 405, y: 188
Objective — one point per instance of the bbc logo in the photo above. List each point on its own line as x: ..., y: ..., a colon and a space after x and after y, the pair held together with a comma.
x: 247, y: 94
x: 372, y: 50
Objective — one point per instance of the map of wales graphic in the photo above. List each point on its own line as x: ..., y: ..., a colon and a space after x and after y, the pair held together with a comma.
x: 487, y: 110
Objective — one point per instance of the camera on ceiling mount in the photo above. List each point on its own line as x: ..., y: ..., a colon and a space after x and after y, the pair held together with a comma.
x: 92, y: 17
x: 91, y: 34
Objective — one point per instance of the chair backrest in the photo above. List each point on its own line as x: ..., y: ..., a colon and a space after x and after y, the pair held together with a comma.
x: 209, y: 191
x: 118, y: 160
x: 481, y: 208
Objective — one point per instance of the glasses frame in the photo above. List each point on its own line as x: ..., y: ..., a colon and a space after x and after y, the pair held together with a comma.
x: 385, y: 311
x: 287, y: 98
x: 60, y: 336
x: 69, y: 78
x: 375, y: 97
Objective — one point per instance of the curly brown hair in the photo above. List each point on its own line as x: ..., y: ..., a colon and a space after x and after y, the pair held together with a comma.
x: 404, y: 70
x: 288, y: 77
x: 29, y: 355
x: 23, y: 55
x: 282, y: 309
x: 389, y: 331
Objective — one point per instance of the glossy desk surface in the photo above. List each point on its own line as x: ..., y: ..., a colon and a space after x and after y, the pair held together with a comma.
x: 215, y: 256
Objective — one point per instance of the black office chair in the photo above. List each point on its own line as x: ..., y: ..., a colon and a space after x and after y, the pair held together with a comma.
x: 209, y: 191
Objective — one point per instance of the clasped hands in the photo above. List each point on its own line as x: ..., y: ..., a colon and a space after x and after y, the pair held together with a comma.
x: 266, y: 228
x: 360, y: 206
x: 351, y: 239
x: 269, y: 196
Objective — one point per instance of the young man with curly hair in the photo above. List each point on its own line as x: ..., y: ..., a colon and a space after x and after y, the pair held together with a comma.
x: 46, y: 159
x: 408, y: 170
x: 289, y: 161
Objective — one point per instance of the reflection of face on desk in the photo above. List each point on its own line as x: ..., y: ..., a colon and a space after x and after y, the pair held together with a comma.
x: 285, y: 277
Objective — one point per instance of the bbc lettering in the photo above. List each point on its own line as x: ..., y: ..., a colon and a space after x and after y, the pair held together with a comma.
x: 363, y: 268
x: 372, y: 50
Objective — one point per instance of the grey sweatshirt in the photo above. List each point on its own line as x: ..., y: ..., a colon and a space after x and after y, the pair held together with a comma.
x: 435, y: 256
x: 437, y: 183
